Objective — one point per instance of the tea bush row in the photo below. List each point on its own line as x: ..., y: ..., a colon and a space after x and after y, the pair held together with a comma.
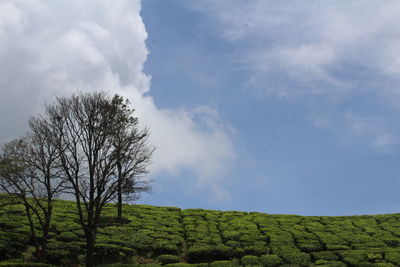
x: 205, y: 236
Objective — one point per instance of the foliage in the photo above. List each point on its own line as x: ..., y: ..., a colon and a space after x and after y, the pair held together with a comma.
x: 179, y: 265
x: 324, y: 255
x: 208, y: 253
x: 384, y: 264
x: 167, y: 259
x: 302, y: 259
x: 393, y: 257
x: 270, y: 260
x: 250, y: 260
x: 327, y: 263
x: 207, y: 238
x: 23, y: 264
x: 221, y: 264
x: 128, y: 265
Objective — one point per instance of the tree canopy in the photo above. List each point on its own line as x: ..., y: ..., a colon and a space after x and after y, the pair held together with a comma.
x: 89, y: 145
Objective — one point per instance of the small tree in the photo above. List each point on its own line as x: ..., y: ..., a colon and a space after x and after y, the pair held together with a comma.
x: 90, y: 132
x: 30, y: 174
x: 133, y: 154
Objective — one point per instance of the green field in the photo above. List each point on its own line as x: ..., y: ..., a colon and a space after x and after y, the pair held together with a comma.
x: 194, y: 237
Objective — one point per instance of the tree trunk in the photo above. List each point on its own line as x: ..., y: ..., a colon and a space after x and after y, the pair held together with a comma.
x: 46, y: 230
x: 119, y: 201
x: 119, y: 204
x: 89, y: 250
x: 33, y: 232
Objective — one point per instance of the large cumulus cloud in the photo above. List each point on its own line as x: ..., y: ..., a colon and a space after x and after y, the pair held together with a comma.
x: 52, y: 48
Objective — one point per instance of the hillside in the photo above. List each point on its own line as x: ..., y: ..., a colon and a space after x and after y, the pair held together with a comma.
x: 209, y: 236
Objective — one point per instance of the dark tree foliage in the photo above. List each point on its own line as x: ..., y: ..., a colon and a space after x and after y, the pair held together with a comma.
x: 102, y: 153
x: 133, y: 154
x: 31, y: 175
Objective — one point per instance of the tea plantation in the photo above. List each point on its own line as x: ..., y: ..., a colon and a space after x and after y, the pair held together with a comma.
x: 155, y: 236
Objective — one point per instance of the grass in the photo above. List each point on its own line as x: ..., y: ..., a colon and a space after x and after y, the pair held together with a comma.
x: 167, y: 235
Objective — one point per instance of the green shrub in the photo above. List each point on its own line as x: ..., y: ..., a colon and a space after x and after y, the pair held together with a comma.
x: 63, y: 253
x: 393, y: 242
x: 160, y: 246
x: 256, y: 250
x: 179, y: 265
x: 337, y: 247
x: 302, y: 259
x: 368, y: 245
x: 128, y: 265
x: 67, y: 236
x: 326, y: 263
x: 353, y: 257
x: 221, y: 264
x: 374, y: 257
x: 324, y: 255
x: 107, y: 253
x: 23, y: 264
x: 393, y: 257
x: 142, y: 242
x: 233, y: 244
x: 209, y: 253
x: 12, y: 244
x: 57, y: 256
x: 203, y: 264
x: 283, y: 248
x: 231, y: 235
x: 270, y: 260
x: 167, y: 259
x: 250, y: 260
x: 384, y: 264
x: 110, y: 249
x: 363, y: 264
x: 310, y: 246
x: 362, y: 257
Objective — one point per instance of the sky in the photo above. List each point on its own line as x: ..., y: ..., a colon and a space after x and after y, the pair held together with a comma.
x: 283, y: 107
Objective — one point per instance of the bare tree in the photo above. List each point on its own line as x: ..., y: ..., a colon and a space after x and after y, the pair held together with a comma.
x: 30, y: 174
x: 85, y: 128
x: 133, y: 154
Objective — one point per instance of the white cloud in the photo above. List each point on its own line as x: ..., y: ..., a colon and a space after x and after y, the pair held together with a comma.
x: 310, y: 42
x: 380, y: 133
x: 385, y: 141
x: 50, y: 48
x: 336, y: 52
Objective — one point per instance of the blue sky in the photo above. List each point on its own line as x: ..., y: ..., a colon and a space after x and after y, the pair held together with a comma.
x: 295, y: 153
x: 253, y: 105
